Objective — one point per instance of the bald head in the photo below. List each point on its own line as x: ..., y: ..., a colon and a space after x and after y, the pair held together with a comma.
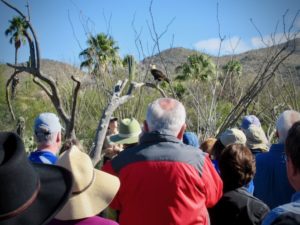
x: 166, y: 115
x: 284, y: 122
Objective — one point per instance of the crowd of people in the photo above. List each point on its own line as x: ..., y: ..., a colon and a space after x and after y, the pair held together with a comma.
x: 154, y: 174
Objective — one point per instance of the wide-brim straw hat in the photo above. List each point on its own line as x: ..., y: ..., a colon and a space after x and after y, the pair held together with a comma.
x: 129, y: 132
x: 29, y: 193
x: 92, y: 190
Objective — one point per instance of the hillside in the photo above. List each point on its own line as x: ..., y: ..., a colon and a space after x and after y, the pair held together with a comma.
x: 172, y: 58
x: 55, y: 69
x: 250, y: 60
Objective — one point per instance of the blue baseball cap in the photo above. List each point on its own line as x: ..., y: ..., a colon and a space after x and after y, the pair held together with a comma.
x: 47, y: 123
x: 191, y: 138
x: 249, y: 120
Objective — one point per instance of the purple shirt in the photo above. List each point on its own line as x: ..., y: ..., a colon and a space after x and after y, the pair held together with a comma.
x: 94, y: 220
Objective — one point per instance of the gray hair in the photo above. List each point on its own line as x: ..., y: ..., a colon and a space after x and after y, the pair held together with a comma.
x: 166, y: 115
x: 45, y: 138
x: 284, y: 122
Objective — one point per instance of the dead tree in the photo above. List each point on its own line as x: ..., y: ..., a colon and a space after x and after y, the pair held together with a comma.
x: 43, y: 80
x: 266, y: 73
x: 116, y: 100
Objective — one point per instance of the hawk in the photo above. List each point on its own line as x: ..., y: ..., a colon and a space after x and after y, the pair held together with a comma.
x: 158, y: 75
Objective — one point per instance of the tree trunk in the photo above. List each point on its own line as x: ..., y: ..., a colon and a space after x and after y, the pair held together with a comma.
x: 15, y: 80
x: 32, y: 61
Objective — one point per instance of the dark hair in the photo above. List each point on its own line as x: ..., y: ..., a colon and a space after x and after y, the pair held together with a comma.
x: 217, y: 149
x: 237, y: 166
x: 125, y: 146
x: 292, y: 145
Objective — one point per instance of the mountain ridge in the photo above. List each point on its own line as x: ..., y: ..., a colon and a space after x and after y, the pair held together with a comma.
x: 172, y: 58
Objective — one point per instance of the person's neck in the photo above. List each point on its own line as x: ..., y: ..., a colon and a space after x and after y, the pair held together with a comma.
x: 114, y: 131
x: 49, y: 148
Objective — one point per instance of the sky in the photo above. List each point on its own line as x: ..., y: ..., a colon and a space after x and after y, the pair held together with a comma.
x: 63, y: 26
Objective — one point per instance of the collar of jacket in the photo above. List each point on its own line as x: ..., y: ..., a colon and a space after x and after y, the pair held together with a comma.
x: 156, y: 136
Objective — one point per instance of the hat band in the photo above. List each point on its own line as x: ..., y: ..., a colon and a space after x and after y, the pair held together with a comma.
x: 89, y: 184
x: 128, y: 135
x: 24, y: 206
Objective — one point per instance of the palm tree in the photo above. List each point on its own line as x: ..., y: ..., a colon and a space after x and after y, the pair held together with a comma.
x: 17, y: 31
x: 198, y: 66
x: 230, y: 79
x: 101, y: 52
x: 233, y: 67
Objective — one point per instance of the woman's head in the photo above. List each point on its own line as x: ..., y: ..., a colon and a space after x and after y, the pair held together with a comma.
x: 208, y: 144
x: 237, y: 166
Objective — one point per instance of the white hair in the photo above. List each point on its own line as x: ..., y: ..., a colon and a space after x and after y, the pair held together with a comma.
x: 284, y: 122
x: 166, y: 115
x: 46, y: 139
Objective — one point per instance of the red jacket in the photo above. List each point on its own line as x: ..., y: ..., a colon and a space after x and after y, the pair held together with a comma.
x: 164, y: 181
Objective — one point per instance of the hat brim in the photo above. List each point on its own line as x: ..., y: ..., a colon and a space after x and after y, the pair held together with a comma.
x: 93, y: 200
x: 121, y: 140
x: 56, y: 184
x: 113, y: 119
x: 262, y: 146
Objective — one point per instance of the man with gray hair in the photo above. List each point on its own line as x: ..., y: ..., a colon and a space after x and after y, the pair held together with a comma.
x: 270, y: 181
x: 163, y: 180
x: 47, y: 133
x: 289, y: 214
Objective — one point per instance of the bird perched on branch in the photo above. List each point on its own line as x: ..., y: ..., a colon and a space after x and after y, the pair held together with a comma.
x: 158, y: 75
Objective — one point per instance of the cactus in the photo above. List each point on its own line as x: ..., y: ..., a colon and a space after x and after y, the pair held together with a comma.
x: 130, y: 63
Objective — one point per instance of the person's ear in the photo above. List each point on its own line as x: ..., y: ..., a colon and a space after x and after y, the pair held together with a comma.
x: 292, y: 173
x: 293, y: 168
x: 145, y: 127
x: 276, y: 134
x: 181, y: 132
x: 58, y: 137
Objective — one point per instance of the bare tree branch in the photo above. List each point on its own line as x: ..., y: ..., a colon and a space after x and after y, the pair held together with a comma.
x: 73, y: 30
x: 116, y: 101
x: 7, y: 93
x: 151, y: 85
x: 37, y: 48
x: 255, y: 88
x: 74, y: 104
x: 44, y: 81
x: 42, y: 86
x: 156, y: 38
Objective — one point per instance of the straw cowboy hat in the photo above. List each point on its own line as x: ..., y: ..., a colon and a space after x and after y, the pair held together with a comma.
x: 92, y: 190
x: 29, y: 193
x: 129, y: 132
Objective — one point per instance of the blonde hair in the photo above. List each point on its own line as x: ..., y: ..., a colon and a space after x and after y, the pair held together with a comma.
x: 208, y: 144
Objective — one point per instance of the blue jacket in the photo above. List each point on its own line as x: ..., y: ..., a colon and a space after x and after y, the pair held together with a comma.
x: 293, y: 209
x: 270, y: 181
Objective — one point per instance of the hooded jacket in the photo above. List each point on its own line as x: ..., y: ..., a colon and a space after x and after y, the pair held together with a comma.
x: 164, y: 181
